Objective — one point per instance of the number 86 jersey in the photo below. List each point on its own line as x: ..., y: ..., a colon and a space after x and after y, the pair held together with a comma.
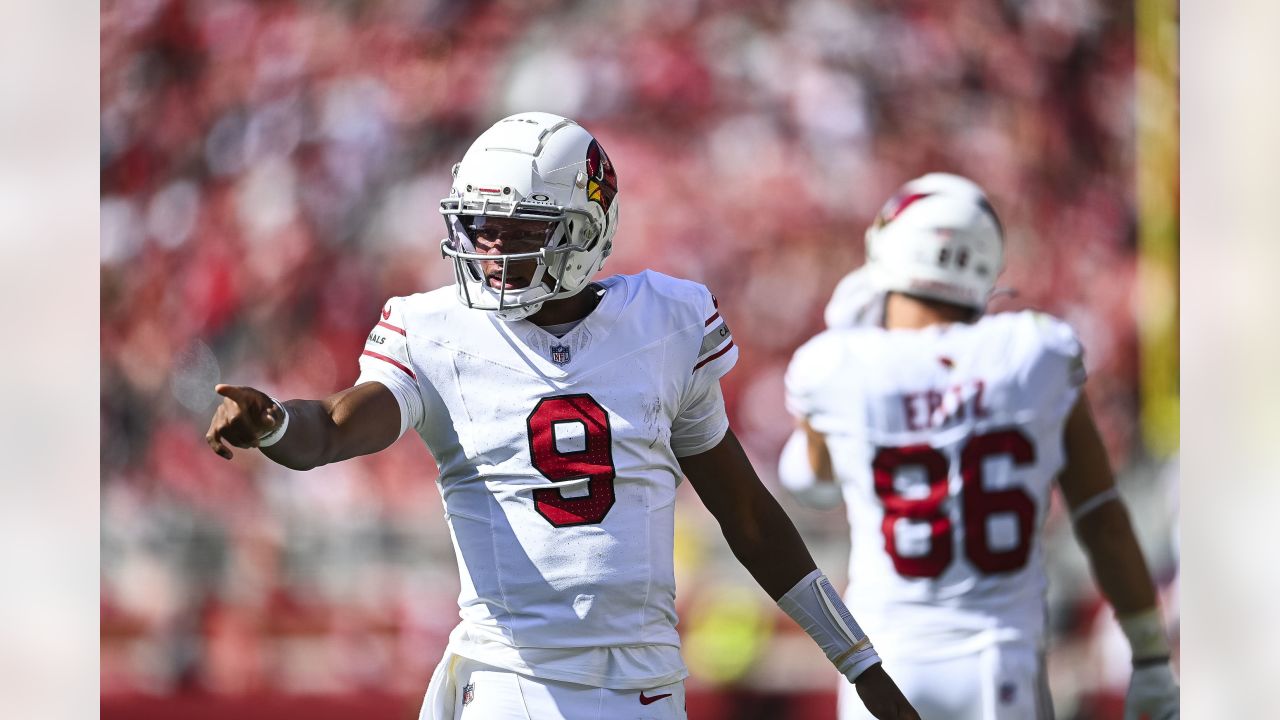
x: 946, y: 442
x: 558, y: 462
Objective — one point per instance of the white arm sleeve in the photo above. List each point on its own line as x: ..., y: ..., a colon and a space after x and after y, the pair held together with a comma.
x: 816, y: 606
x: 1057, y: 370
x: 796, y: 475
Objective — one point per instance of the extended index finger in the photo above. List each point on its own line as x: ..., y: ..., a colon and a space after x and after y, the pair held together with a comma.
x: 238, y: 393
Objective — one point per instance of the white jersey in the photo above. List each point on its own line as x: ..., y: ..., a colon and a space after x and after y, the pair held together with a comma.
x: 856, y: 302
x: 558, y: 467
x: 946, y: 442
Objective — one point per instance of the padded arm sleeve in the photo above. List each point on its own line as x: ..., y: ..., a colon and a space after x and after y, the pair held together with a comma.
x: 816, y: 606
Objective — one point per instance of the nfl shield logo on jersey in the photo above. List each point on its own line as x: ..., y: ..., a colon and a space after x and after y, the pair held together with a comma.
x: 560, y: 354
x: 468, y: 693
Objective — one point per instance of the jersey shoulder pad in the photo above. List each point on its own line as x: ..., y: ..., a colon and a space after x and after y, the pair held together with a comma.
x: 387, y: 345
x: 694, y: 310
x: 813, y: 364
x: 684, y: 299
x: 425, y: 314
x: 1052, y: 337
x: 669, y: 304
x: 856, y: 302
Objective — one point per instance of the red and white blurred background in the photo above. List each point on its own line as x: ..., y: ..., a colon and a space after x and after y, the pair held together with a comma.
x: 270, y: 173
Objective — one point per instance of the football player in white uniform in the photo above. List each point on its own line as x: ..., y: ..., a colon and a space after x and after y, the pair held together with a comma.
x: 562, y: 414
x: 943, y: 430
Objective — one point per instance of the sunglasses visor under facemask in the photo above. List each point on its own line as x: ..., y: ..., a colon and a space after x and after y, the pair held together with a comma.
x: 509, y: 236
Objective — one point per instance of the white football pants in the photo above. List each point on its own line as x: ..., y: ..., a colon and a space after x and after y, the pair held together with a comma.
x: 464, y: 689
x: 1004, y: 681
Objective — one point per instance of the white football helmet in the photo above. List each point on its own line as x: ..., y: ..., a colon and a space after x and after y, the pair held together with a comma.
x: 938, y: 237
x: 534, y: 167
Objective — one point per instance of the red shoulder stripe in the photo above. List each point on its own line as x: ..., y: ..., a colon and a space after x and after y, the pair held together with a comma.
x: 384, y: 358
x: 389, y: 326
x: 711, y: 319
x: 714, y: 355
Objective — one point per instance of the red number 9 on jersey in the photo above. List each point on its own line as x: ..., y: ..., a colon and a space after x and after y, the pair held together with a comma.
x: 594, y: 461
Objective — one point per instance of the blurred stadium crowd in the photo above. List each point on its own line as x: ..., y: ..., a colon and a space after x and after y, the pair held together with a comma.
x: 271, y: 173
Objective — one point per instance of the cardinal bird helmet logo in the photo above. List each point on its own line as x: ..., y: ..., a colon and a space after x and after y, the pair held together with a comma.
x: 602, y: 180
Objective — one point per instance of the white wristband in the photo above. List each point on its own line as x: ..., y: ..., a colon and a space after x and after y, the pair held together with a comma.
x: 278, y: 431
x: 816, y: 606
x: 1146, y: 634
x: 1094, y: 503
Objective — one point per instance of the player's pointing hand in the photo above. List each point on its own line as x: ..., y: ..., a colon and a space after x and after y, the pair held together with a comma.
x: 243, y: 418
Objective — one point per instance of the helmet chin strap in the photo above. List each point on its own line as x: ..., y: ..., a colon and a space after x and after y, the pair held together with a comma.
x: 513, y: 314
x: 519, y: 313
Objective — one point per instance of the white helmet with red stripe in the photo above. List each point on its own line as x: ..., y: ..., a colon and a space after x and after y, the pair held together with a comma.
x: 537, y: 168
x: 938, y: 237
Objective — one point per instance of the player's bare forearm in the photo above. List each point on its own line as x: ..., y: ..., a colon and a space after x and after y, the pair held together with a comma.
x: 769, y: 546
x: 356, y: 421
x: 1101, y: 520
x: 765, y: 541
x: 1108, y: 539
x: 819, y: 454
x: 759, y: 533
